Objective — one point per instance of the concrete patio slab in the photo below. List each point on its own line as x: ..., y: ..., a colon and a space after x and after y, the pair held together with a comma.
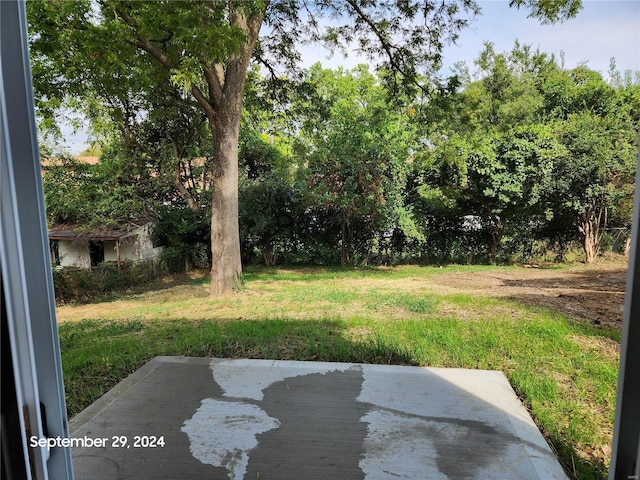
x: 196, y: 418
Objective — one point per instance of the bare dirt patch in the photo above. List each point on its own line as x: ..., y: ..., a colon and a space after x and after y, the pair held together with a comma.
x: 593, y: 293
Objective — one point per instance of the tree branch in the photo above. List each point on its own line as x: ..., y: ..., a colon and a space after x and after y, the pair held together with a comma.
x: 214, y: 74
x: 177, y: 181
x: 386, y: 45
x: 238, y: 63
x: 146, y: 45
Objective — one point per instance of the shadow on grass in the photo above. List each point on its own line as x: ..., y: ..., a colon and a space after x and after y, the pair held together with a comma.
x: 196, y: 278
x: 576, y: 466
x: 311, y: 273
x: 314, y: 273
x: 200, y: 278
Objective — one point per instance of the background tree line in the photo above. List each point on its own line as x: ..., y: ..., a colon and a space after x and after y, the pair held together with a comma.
x: 166, y: 81
x: 513, y: 157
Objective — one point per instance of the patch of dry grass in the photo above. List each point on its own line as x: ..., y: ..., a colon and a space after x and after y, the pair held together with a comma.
x: 603, y: 346
x: 341, y: 299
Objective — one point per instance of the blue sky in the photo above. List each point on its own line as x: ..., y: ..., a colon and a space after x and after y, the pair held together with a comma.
x: 601, y: 30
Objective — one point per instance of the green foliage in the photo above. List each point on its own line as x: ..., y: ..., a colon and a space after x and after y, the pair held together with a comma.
x: 93, y: 150
x: 66, y: 196
x: 89, y: 285
x: 595, y: 177
x: 258, y: 156
x: 355, y: 159
x: 550, y: 11
x: 106, y: 194
x: 186, y: 236
x: 538, y: 152
x: 164, y: 80
x: 593, y: 181
x: 270, y: 210
x: 270, y: 206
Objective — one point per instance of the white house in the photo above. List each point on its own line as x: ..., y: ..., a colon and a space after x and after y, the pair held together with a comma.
x: 72, y: 247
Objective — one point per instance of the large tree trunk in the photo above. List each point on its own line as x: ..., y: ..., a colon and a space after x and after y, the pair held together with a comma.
x: 222, y: 104
x: 226, y: 269
x: 226, y: 88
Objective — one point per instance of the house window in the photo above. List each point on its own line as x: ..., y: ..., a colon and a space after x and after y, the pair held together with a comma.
x: 96, y: 252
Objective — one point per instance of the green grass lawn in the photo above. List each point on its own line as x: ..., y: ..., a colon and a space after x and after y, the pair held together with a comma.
x: 565, y: 371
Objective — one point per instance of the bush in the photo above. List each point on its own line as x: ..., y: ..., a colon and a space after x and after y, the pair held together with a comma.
x: 270, y: 210
x: 73, y: 285
x: 186, y: 236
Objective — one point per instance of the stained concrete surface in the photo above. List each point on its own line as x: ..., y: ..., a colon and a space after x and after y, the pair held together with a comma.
x: 264, y: 419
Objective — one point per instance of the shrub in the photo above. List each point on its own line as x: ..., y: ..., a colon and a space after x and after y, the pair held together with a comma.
x: 186, y: 236
x: 73, y: 285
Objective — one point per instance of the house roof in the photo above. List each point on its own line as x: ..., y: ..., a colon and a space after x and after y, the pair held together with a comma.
x: 72, y: 234
x: 101, y: 232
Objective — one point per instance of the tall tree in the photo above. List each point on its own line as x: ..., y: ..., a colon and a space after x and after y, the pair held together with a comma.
x: 269, y: 202
x: 357, y: 156
x: 594, y: 177
x: 597, y: 125
x: 490, y: 150
x: 534, y: 141
x: 91, y: 49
